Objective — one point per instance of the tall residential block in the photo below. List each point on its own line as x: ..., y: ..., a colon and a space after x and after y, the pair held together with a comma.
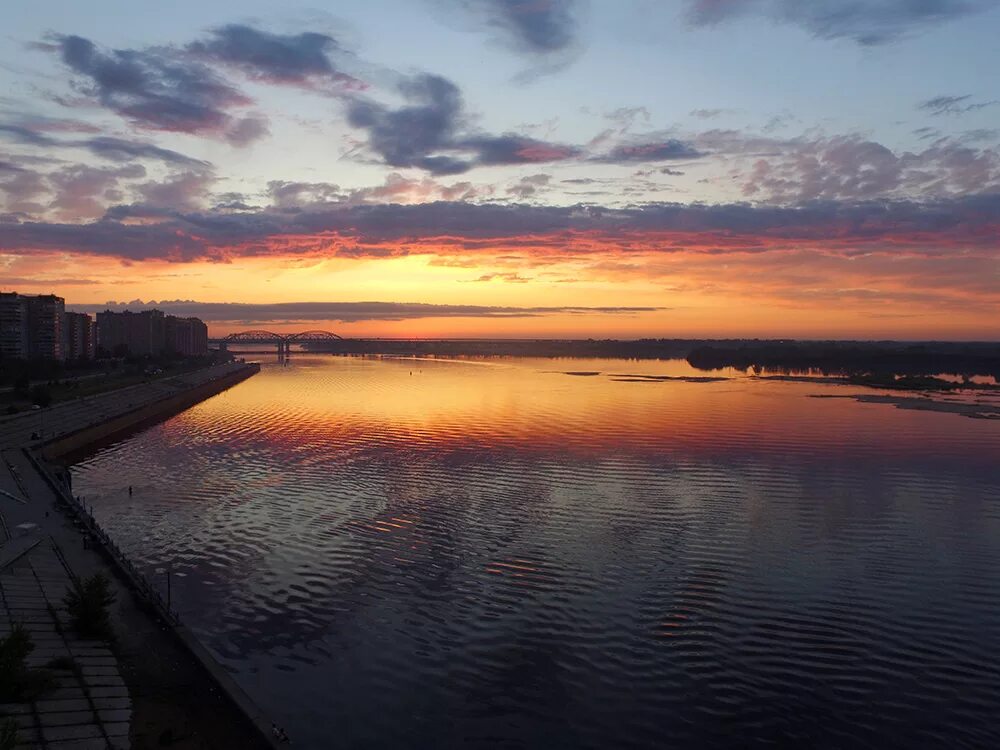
x: 45, y: 319
x: 187, y: 336
x: 131, y: 332
x: 31, y: 325
x: 13, y: 326
x: 79, y: 336
x: 150, y: 332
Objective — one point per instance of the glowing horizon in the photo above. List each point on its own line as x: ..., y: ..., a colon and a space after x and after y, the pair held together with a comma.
x: 285, y: 162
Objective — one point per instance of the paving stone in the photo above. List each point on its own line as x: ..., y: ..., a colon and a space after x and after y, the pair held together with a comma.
x: 54, y: 642
x: 62, y: 718
x: 28, y: 734
x: 98, y: 671
x: 24, y: 721
x: 108, y: 692
x: 104, y: 681
x: 9, y: 709
x: 93, y: 743
x: 96, y: 661
x: 75, y: 704
x: 116, y: 729
x: 39, y: 661
x: 66, y: 680
x: 112, y: 704
x: 74, y: 692
x: 76, y: 732
x: 115, y: 715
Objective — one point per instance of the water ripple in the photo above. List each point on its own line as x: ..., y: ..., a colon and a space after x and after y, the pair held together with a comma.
x: 414, y: 553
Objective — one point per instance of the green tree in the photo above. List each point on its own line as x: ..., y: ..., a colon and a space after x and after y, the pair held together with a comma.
x: 18, y: 682
x: 14, y: 649
x: 87, y: 601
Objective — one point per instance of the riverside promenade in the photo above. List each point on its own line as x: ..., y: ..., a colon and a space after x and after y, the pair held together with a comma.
x: 155, y: 686
x: 89, y: 705
x: 54, y: 427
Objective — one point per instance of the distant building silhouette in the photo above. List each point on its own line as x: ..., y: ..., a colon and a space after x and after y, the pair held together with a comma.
x: 130, y: 332
x: 187, y: 336
x: 45, y: 320
x: 31, y: 325
x: 150, y: 332
x: 79, y: 336
x: 13, y: 326
x: 39, y: 326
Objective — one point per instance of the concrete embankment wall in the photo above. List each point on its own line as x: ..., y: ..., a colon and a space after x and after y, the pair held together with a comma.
x: 151, y: 597
x: 132, y: 419
x: 63, y: 447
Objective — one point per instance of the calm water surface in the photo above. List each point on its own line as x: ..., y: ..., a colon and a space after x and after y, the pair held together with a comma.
x: 494, y: 553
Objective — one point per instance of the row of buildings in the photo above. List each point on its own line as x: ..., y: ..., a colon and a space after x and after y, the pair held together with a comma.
x: 39, y: 326
x: 151, y: 332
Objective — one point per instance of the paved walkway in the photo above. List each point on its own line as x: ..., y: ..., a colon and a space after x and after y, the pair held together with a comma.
x: 89, y: 706
x: 175, y: 682
x: 70, y: 416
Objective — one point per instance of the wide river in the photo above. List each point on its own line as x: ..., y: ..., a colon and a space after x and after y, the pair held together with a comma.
x: 541, y: 553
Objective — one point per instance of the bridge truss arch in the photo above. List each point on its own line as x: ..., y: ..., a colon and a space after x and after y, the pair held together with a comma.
x: 255, y: 336
x: 313, y: 336
x: 283, y: 341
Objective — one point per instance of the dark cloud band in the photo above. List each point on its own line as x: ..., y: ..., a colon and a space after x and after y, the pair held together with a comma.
x: 159, y: 89
x: 349, y: 312
x: 867, y: 22
x: 141, y: 232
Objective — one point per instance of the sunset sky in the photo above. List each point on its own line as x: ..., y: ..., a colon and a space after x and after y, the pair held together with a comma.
x: 527, y: 168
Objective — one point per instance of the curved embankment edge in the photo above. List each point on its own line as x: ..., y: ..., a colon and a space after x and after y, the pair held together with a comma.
x: 79, y: 441
x: 141, y: 416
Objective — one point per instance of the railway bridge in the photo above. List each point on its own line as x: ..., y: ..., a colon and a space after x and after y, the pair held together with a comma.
x: 283, y: 341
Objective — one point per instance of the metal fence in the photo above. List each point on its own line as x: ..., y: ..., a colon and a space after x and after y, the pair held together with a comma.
x: 93, y: 529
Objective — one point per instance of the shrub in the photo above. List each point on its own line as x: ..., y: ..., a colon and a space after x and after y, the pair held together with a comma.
x: 8, y: 734
x: 18, y: 683
x: 87, y: 601
x: 67, y: 663
x: 14, y: 649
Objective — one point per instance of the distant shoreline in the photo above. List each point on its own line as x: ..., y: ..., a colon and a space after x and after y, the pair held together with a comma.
x: 854, y: 359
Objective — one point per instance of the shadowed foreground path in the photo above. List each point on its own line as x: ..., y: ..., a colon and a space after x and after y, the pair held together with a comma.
x: 89, y: 705
x: 145, y: 690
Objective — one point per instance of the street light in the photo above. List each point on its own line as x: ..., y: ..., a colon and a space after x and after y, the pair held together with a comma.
x: 169, y: 572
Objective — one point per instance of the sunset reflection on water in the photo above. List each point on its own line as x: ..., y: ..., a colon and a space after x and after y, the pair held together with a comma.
x: 497, y: 552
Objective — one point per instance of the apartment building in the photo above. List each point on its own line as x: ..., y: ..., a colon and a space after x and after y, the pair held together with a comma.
x: 150, y: 332
x: 31, y: 325
x: 79, y: 336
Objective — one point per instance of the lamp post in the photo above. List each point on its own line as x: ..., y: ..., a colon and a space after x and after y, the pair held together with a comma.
x: 169, y: 572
